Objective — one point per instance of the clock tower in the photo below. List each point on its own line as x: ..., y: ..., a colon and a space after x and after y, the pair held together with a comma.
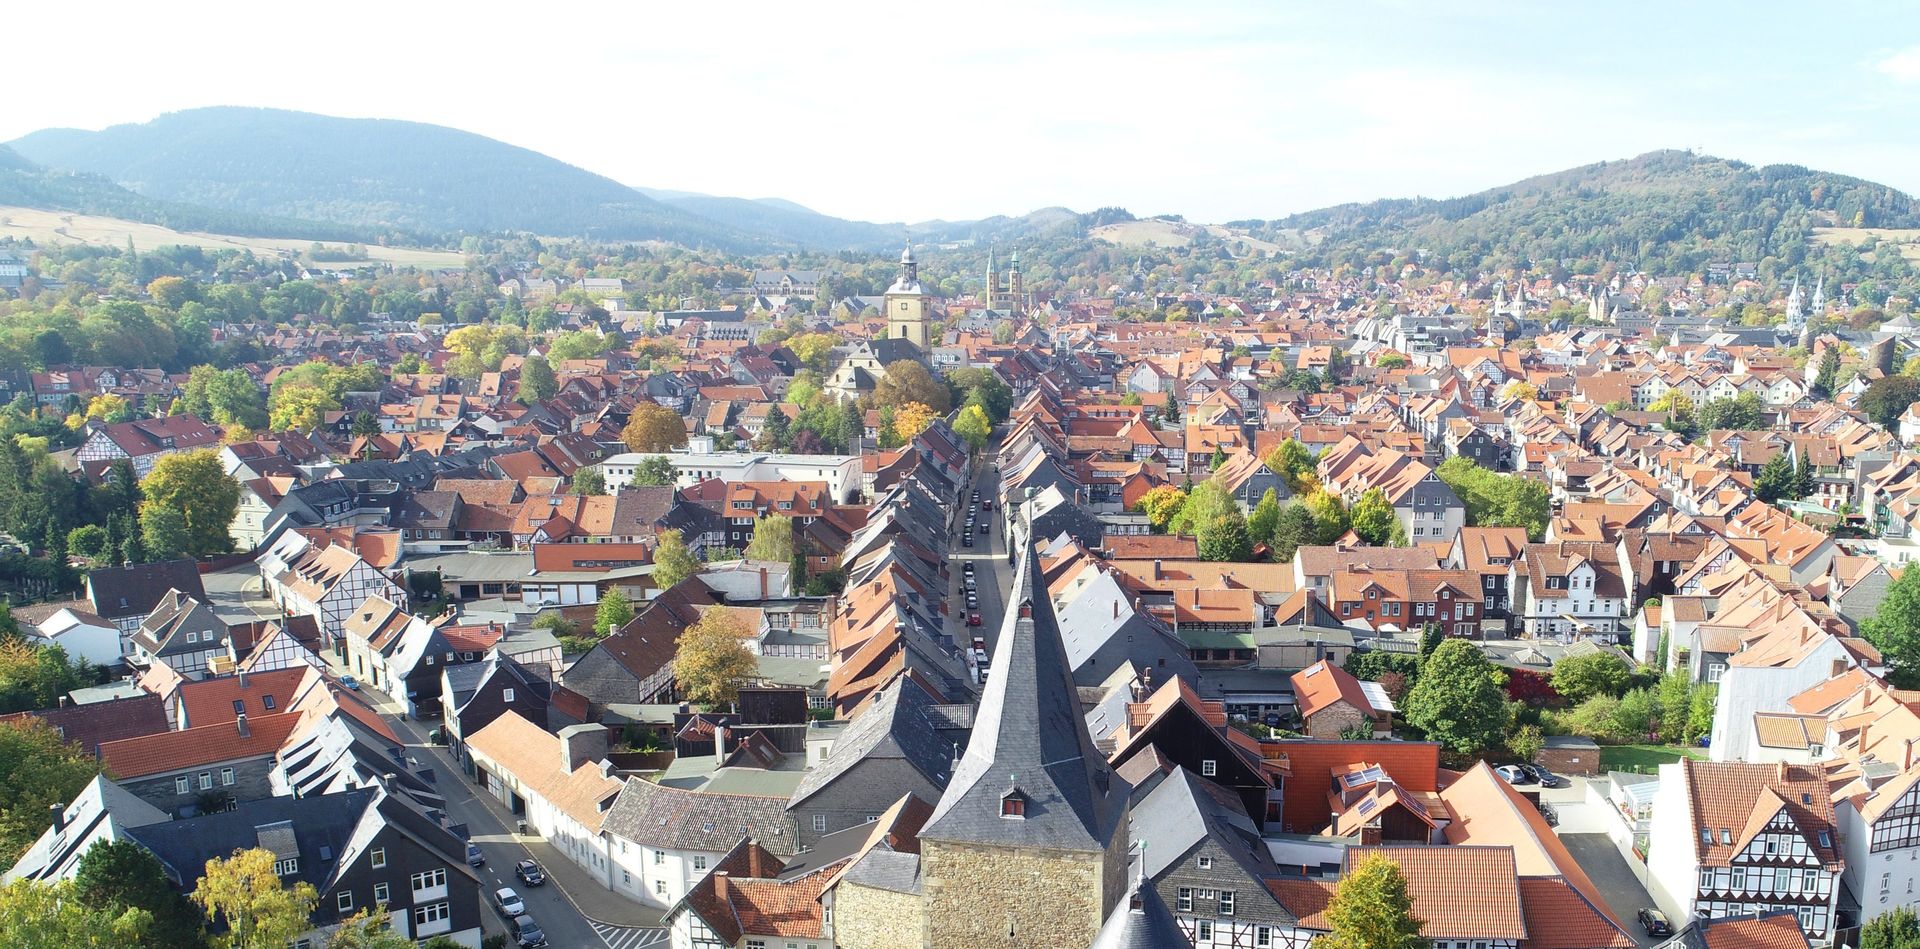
x: 906, y: 304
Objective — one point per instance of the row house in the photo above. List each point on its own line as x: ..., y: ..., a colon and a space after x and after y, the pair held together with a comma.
x: 144, y: 442
x: 325, y: 582
x: 1569, y: 590
x: 1409, y: 599
x: 1427, y: 508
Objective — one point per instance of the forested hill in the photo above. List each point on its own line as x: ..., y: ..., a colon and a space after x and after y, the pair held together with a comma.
x: 25, y: 184
x: 1666, y: 211
x: 374, y: 172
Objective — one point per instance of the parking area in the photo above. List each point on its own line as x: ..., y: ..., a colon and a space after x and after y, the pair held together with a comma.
x: 1618, y: 881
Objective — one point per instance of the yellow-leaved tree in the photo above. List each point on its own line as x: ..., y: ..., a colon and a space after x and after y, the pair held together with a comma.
x: 712, y: 660
x: 259, y: 910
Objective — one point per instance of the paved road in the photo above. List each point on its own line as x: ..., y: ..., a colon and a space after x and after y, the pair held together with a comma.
x: 989, y: 558
x: 1619, y: 883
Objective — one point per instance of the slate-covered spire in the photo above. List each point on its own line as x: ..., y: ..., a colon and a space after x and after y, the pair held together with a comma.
x: 1142, y: 923
x: 1031, y: 775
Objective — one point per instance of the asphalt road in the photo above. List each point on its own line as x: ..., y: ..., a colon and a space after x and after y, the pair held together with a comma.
x: 989, y: 558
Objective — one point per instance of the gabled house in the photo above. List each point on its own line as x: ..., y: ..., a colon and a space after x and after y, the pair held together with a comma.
x: 1334, y: 704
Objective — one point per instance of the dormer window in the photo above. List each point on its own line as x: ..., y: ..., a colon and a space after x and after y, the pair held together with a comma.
x: 1013, y: 805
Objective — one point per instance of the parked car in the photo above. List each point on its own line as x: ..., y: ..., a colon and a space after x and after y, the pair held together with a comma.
x: 530, y: 873
x: 984, y: 525
x: 509, y: 902
x: 1654, y: 923
x: 980, y: 643
x: 1546, y: 778
x: 350, y: 682
x: 475, y: 857
x: 1552, y: 816
x: 527, y: 933
x: 1513, y: 774
x: 966, y: 540
x: 968, y: 569
x: 986, y: 505
x: 973, y: 619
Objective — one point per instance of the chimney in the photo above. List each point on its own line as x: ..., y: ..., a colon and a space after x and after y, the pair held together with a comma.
x: 720, y: 884
x: 1156, y: 569
x: 64, y: 701
x: 240, y: 723
x: 580, y: 744
x: 242, y: 676
x: 756, y: 862
x: 719, y: 744
x: 59, y: 814
x: 763, y: 583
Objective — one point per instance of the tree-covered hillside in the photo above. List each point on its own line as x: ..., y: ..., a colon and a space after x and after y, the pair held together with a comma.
x: 25, y: 184
x: 1666, y: 212
x: 372, y: 172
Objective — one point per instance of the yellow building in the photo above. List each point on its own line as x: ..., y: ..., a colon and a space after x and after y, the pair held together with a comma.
x: 907, y: 304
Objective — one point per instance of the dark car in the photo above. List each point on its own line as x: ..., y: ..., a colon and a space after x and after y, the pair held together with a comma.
x: 966, y: 540
x: 1654, y: 923
x: 983, y: 527
x: 530, y: 873
x: 527, y: 933
x: 973, y: 619
x: 475, y: 856
x: 1546, y: 778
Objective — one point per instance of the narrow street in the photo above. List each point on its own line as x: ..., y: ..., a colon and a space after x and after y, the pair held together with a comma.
x: 989, y: 557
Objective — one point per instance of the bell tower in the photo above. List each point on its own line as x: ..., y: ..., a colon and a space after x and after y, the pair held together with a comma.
x: 906, y: 304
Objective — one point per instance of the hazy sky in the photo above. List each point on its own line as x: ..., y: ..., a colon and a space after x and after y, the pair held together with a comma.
x: 915, y: 110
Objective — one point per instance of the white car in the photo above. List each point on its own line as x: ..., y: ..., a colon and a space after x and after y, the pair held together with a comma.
x: 509, y: 902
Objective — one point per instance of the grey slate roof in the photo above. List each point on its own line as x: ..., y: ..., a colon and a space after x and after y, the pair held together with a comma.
x: 1185, y: 810
x: 886, y: 870
x: 896, y: 724
x: 1143, y: 922
x: 1028, y: 736
x: 675, y: 819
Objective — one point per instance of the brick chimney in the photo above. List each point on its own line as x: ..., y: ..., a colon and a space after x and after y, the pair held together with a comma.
x: 763, y: 583
x: 720, y: 884
x: 240, y: 723
x: 756, y: 862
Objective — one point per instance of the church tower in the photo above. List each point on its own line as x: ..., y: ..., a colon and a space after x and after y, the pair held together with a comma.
x: 907, y: 304
x: 1028, y: 846
x: 1016, y: 284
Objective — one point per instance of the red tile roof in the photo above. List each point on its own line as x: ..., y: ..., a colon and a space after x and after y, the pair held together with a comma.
x: 1775, y: 930
x: 195, y: 747
x: 1559, y: 917
x: 210, y: 701
x: 1320, y: 685
x: 1458, y: 892
x: 1413, y: 765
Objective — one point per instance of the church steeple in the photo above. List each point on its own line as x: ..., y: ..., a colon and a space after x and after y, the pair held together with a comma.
x: 906, y: 303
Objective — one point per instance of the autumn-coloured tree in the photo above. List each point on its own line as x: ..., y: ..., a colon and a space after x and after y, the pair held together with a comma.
x: 908, y: 381
x: 654, y: 428
x: 911, y: 419
x: 260, y: 911
x: 712, y: 660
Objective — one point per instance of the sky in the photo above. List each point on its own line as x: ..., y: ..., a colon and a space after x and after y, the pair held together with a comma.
x: 912, y: 110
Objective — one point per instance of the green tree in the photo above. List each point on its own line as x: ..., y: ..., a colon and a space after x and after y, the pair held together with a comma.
x: 1700, y: 711
x: 1456, y: 701
x: 36, y: 915
x: 37, y: 770
x: 1897, y: 928
x: 653, y: 427
x: 614, y: 611
x: 773, y: 539
x: 1744, y: 411
x: 1207, y: 501
x: 1597, y: 717
x: 1373, y: 517
x: 655, y: 471
x: 1225, y: 539
x: 672, y: 561
x: 1371, y: 909
x: 1888, y: 397
x: 1294, y: 529
x: 1526, y: 742
x: 1578, y: 678
x: 776, y: 433
x: 1292, y: 461
x: 1265, y: 518
x: 1330, y: 521
x: 1497, y: 500
x: 588, y: 481
x: 120, y: 875
x: 1676, y: 694
x: 1823, y: 380
x: 196, y: 485
x: 260, y: 912
x: 1638, y: 715
x: 908, y: 381
x: 1775, y: 481
x: 537, y: 382
x: 365, y: 425
x: 87, y: 540
x: 163, y: 532
x: 1894, y: 629
x: 974, y: 426
x: 365, y: 930
x: 1161, y: 505
x: 1391, y: 360
x: 711, y: 661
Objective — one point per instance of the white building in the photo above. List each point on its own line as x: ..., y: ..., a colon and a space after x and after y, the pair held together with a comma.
x: 1765, y: 673
x: 327, y: 583
x: 1880, y: 837
x: 84, y: 636
x: 1729, y: 839
x: 558, y: 784
x: 840, y: 472
x: 664, y: 839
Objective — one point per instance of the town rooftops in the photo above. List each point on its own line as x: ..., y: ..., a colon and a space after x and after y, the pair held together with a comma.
x: 132, y: 590
x: 257, y: 736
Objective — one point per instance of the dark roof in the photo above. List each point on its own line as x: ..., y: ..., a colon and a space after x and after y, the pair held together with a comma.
x: 1029, y: 739
x: 1142, y: 923
x: 132, y: 590
x: 93, y: 723
x: 896, y: 723
x: 321, y: 827
x: 676, y: 819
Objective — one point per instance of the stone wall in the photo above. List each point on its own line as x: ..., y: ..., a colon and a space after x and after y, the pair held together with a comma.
x: 976, y: 894
x: 868, y: 918
x: 1332, y: 722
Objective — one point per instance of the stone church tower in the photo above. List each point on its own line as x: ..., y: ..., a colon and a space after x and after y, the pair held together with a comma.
x: 1028, y: 846
x: 907, y: 304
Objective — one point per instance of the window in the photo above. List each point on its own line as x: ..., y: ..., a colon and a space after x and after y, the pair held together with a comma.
x: 430, y: 879
x: 287, y: 867
x: 506, y: 695
x: 1206, y: 863
x: 1013, y: 807
x: 1184, y: 902
x: 1203, y: 930
x: 206, y: 780
x: 699, y: 862
x: 266, y: 701
x: 1209, y: 768
x: 1226, y: 902
x: 379, y: 857
x: 659, y: 887
x: 382, y: 893
x: 820, y: 820
x: 344, y: 900
x: 180, y: 785
x: 226, y: 777
x: 1263, y: 935
x: 429, y: 914
x: 659, y: 858
x: 239, y: 707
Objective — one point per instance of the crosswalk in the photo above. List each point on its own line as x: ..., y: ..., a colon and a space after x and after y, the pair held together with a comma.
x: 629, y: 937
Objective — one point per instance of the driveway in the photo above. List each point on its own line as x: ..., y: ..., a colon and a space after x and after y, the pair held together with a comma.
x: 1618, y: 881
